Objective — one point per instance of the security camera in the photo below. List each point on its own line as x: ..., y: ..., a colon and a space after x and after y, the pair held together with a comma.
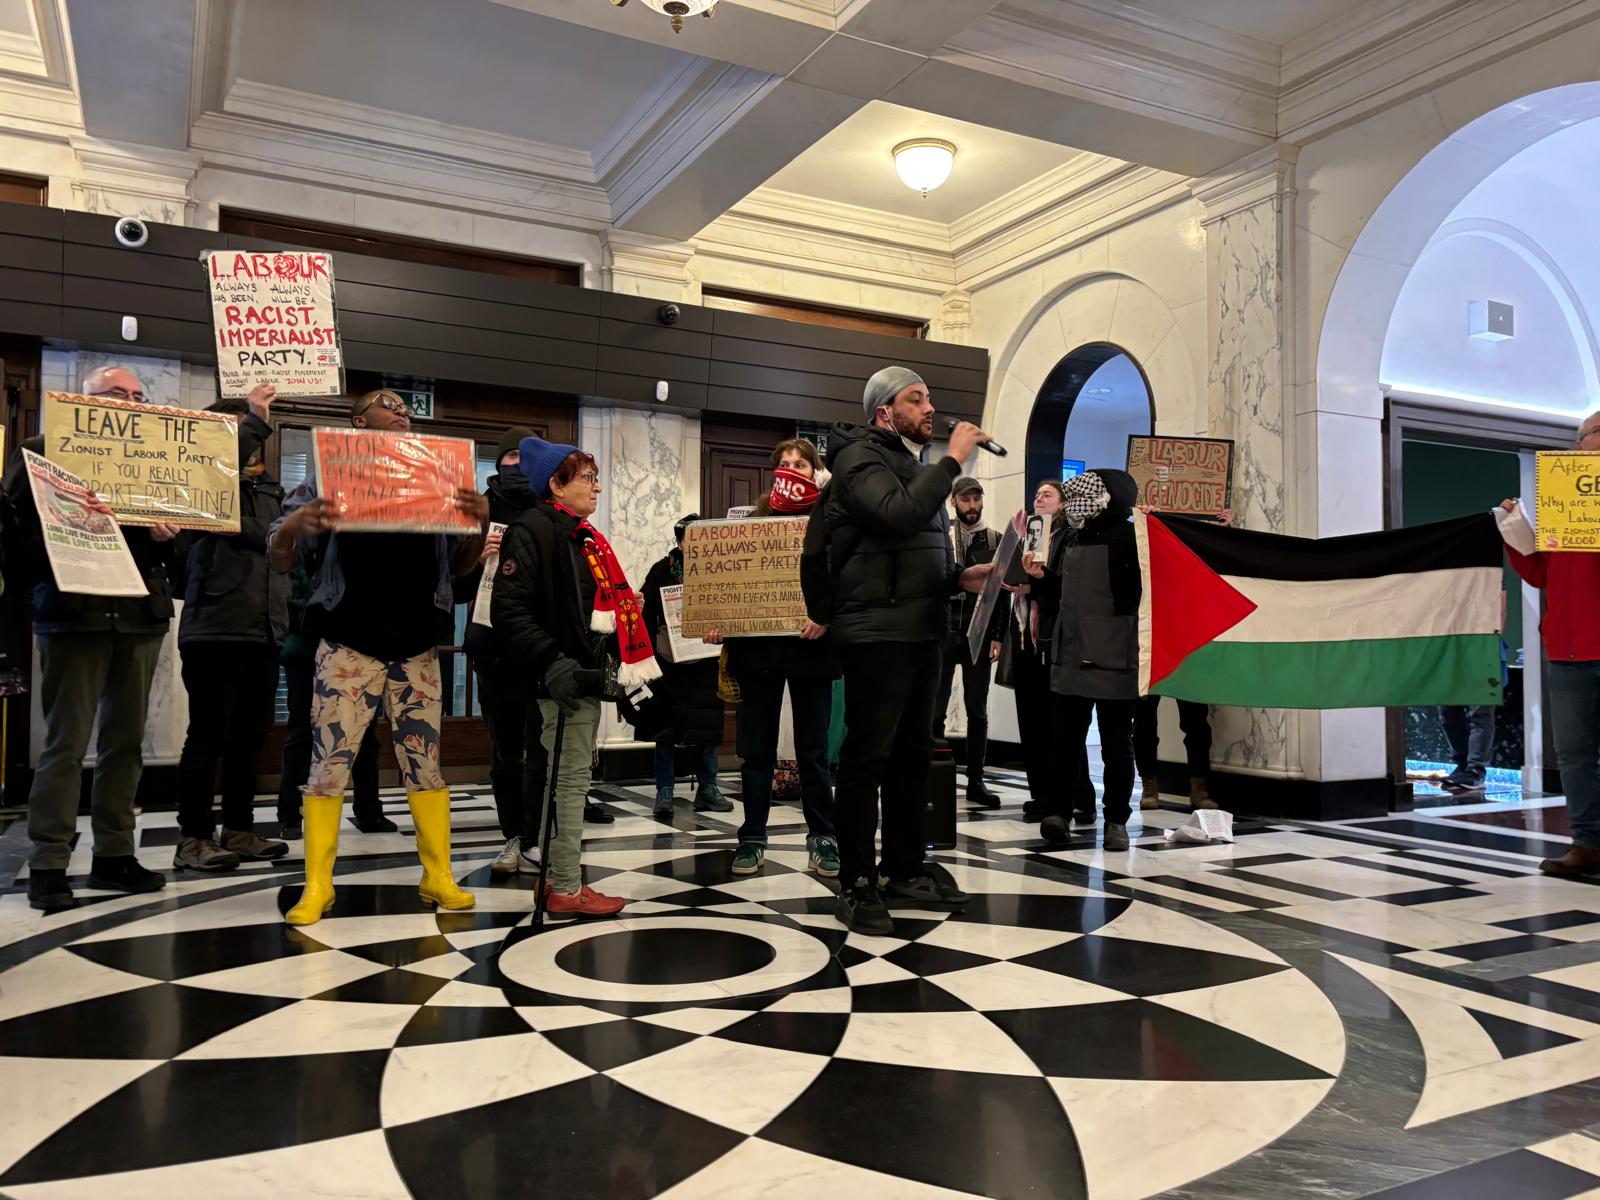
x: 131, y: 232
x: 668, y: 314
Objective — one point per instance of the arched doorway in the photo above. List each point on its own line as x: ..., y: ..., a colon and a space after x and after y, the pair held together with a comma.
x: 1085, y: 411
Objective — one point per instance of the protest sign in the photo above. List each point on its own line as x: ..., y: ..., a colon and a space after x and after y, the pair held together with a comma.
x: 88, y: 554
x: 387, y: 482
x: 1567, y: 500
x: 485, y: 598
x: 149, y: 463
x: 1192, y: 476
x: 681, y: 649
x: 743, y: 577
x: 740, y: 511
x: 272, y: 315
x: 983, y: 611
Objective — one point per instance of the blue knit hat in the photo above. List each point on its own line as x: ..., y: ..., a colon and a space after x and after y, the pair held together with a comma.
x: 539, y: 462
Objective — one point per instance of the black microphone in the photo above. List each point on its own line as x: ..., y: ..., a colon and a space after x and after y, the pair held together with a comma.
x: 989, y: 444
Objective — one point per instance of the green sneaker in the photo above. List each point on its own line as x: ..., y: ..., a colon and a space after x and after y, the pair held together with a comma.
x: 747, y: 859
x: 824, y: 853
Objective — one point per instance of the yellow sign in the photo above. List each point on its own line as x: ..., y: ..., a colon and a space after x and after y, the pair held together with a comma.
x: 152, y: 465
x: 1567, y: 504
x: 743, y: 577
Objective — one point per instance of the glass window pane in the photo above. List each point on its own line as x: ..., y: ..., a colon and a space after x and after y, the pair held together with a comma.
x: 294, y: 457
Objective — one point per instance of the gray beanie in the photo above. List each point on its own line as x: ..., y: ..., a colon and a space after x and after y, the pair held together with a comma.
x: 888, y: 383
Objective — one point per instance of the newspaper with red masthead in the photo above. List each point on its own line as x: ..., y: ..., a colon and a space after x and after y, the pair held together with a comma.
x: 88, y: 554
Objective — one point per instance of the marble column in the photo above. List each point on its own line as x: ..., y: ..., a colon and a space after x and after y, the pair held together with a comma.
x: 120, y: 180
x: 1249, y: 221
x: 636, y: 264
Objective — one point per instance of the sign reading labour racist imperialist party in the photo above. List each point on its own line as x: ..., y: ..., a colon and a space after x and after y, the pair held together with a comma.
x: 1567, y: 508
x: 152, y: 465
x: 1190, y: 476
x: 743, y: 577
x: 274, y: 322
x: 394, y: 482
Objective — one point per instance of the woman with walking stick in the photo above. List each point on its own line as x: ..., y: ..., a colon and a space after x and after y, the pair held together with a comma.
x: 563, y: 609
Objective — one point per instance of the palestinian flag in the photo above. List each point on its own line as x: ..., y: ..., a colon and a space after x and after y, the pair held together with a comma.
x: 1408, y: 616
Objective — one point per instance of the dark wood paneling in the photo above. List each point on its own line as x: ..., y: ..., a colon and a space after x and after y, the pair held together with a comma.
x: 129, y: 266
x: 491, y: 343
x: 813, y: 314
x: 30, y: 253
x: 33, y: 320
x: 36, y: 287
x: 436, y: 364
x: 28, y: 221
x: 97, y: 327
x: 792, y: 408
x: 641, y: 390
x: 175, y: 241
x: 149, y: 301
x: 463, y: 309
x: 911, y: 352
x: 640, y: 310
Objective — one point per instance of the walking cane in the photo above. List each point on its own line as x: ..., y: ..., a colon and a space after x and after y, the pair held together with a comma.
x: 549, y: 819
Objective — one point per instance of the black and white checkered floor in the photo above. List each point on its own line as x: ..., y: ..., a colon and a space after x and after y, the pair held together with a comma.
x: 1398, y: 1007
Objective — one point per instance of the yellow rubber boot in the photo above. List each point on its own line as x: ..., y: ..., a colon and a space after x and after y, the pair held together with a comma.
x: 320, y: 815
x: 430, y: 813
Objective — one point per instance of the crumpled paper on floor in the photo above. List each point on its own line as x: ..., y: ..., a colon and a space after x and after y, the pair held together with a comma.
x: 1204, y: 826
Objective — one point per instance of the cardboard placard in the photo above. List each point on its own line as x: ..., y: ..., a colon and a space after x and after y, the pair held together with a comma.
x: 743, y: 577
x: 87, y: 552
x: 1189, y: 476
x: 151, y: 464
x: 387, y: 482
x: 983, y: 611
x: 1567, y: 500
x: 273, y: 318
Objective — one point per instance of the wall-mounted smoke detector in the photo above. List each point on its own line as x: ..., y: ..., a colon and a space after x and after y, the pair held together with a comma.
x: 1490, y: 320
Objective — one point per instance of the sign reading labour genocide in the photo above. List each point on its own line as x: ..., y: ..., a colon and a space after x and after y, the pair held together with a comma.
x: 1567, y: 508
x: 274, y: 322
x: 1192, y: 476
x: 394, y: 482
x: 151, y: 464
x: 743, y: 577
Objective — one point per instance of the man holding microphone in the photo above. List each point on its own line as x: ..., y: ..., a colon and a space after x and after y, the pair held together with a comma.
x: 879, y: 569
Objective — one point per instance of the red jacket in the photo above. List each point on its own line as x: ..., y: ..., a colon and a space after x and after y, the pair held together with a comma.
x: 1571, y: 584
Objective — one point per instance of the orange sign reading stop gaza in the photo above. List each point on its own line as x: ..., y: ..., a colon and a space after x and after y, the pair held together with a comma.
x: 394, y: 482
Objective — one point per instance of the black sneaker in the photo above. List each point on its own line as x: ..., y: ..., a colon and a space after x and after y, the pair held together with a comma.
x: 860, y: 909
x: 49, y: 892
x: 1054, y: 830
x: 377, y: 824
x: 291, y: 831
x: 934, y: 887
x: 593, y: 814
x: 123, y: 873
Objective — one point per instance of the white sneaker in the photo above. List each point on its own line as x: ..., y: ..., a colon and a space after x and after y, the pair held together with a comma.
x: 528, y: 860
x: 505, y: 862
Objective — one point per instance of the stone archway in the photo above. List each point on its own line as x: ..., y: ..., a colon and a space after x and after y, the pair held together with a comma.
x: 1058, y: 396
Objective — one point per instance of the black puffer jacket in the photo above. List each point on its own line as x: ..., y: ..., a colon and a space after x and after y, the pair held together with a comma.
x: 231, y: 594
x: 506, y: 504
x: 888, y: 541
x: 1095, y: 648
x: 55, y: 611
x: 691, y: 688
x: 543, y: 596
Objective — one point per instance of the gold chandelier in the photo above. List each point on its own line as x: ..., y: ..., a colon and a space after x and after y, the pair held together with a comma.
x: 678, y: 9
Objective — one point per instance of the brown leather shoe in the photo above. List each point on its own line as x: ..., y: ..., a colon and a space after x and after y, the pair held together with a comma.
x: 1150, y: 796
x: 1200, y: 794
x: 1574, y: 864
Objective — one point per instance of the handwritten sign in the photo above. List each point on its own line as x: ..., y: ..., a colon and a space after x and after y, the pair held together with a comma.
x: 743, y: 577
x: 1183, y: 475
x: 87, y: 551
x: 386, y: 482
x: 272, y: 313
x: 151, y: 464
x: 1567, y: 505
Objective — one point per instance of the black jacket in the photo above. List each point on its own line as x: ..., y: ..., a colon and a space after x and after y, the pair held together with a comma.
x: 544, y: 596
x: 1095, y: 647
x: 505, y: 505
x: 55, y: 611
x: 231, y: 593
x: 691, y: 688
x: 984, y: 544
x: 889, y: 560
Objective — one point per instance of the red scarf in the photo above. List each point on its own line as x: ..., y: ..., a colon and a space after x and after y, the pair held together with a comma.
x: 616, y: 607
x: 793, y: 492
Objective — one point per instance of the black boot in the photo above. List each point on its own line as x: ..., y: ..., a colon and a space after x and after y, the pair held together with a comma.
x: 48, y: 891
x: 978, y: 792
x: 123, y: 873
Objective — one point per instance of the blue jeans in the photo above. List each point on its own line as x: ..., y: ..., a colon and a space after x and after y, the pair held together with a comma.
x: 760, y: 714
x: 1575, y: 716
x: 705, y: 773
x: 1470, y: 731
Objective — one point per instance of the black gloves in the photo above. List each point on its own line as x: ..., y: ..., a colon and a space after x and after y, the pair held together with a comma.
x: 568, y: 683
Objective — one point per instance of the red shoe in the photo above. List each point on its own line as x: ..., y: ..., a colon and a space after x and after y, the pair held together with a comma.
x: 586, y: 902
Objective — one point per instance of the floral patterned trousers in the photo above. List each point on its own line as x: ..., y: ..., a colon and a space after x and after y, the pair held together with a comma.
x: 349, y: 687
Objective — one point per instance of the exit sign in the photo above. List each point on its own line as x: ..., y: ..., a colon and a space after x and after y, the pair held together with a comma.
x: 417, y: 393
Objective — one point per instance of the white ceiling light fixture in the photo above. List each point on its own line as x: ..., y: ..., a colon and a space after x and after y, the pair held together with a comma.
x: 678, y: 9
x: 924, y: 163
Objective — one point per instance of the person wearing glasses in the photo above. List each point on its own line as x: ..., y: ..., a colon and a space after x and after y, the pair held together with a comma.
x: 97, y: 654
x: 383, y: 603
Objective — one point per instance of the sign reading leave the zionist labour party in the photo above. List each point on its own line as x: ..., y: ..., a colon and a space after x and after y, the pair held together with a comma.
x: 152, y: 465
x: 273, y: 318
x: 1187, y: 476
x: 743, y: 577
x: 385, y: 482
x: 1567, y: 505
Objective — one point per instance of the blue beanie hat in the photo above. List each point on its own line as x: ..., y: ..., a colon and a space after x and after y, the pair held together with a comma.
x: 539, y: 462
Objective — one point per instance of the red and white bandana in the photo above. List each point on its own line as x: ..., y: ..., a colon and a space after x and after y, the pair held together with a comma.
x: 793, y: 492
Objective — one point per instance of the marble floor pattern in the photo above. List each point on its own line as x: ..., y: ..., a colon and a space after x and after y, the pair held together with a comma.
x: 1396, y: 1007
